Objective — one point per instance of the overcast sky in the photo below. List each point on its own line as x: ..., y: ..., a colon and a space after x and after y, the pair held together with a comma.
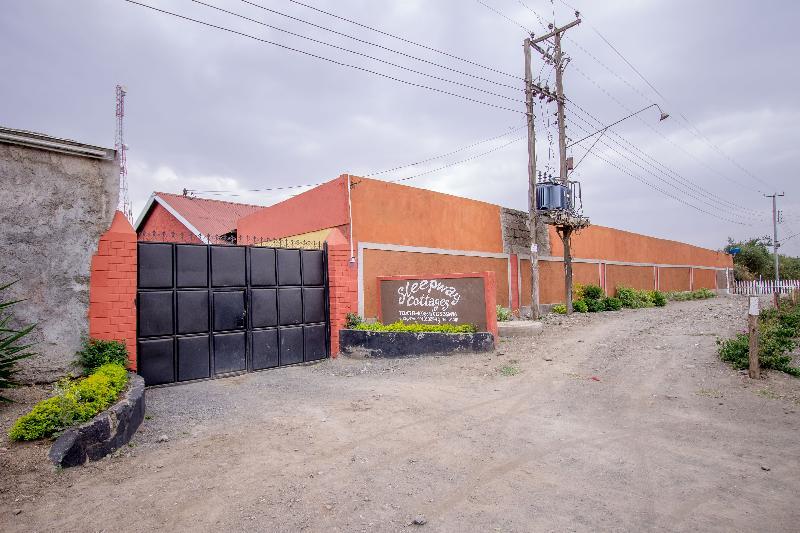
x: 211, y: 110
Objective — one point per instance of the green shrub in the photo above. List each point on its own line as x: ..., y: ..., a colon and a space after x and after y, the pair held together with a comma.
x: 699, y: 294
x: 634, y: 298
x: 353, y: 320
x: 595, y: 305
x: 659, y: 298
x: 96, y: 353
x: 612, y: 304
x: 560, y: 309
x: 592, y: 292
x: 580, y: 306
x: 75, y: 402
x: 503, y: 314
x: 778, y: 331
x: 12, y: 347
x: 418, y: 328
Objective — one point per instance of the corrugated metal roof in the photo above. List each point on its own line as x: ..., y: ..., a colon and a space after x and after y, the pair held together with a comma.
x: 209, y: 217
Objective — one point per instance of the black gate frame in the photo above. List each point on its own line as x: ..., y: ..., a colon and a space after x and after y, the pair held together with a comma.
x: 248, y: 329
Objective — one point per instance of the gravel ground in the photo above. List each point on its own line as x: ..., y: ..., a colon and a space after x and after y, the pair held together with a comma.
x: 621, y: 421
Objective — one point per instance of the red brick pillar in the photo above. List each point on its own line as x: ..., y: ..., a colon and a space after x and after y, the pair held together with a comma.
x: 112, y: 287
x: 342, y: 285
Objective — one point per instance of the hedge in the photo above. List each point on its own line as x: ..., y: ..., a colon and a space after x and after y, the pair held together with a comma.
x: 76, y: 402
x: 417, y: 328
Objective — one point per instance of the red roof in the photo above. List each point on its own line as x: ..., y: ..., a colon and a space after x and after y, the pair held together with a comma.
x: 209, y: 217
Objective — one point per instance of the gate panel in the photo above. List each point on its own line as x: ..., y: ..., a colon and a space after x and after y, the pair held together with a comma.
x: 229, y: 353
x: 193, y: 358
x: 209, y: 310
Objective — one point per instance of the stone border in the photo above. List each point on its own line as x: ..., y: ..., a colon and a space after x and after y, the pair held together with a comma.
x: 106, y: 432
x: 360, y: 343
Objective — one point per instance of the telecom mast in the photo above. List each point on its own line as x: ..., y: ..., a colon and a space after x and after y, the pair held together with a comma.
x: 124, y: 203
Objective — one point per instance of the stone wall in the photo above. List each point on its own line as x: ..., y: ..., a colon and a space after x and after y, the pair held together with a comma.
x: 517, y: 235
x: 57, y: 198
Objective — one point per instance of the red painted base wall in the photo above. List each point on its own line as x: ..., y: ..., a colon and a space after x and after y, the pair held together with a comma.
x: 112, y: 287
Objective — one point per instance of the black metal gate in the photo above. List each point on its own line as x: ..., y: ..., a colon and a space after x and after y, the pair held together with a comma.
x: 208, y: 310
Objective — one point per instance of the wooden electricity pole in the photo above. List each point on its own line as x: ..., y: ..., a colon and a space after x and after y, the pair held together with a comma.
x: 775, y: 244
x: 566, y: 227
x: 533, y: 218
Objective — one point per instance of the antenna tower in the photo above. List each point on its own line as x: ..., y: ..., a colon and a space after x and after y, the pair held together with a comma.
x: 124, y: 203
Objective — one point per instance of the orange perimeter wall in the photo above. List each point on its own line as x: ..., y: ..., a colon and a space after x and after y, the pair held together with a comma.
x: 598, y: 242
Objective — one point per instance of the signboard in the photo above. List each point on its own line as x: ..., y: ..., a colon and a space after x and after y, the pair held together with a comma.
x: 456, y: 300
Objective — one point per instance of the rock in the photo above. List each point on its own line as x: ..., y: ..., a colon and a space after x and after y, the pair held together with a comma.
x: 548, y: 358
x: 765, y: 468
x: 17, y: 511
x: 419, y: 520
x: 163, y: 438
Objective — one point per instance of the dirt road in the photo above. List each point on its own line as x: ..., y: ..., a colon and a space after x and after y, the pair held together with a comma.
x: 621, y: 421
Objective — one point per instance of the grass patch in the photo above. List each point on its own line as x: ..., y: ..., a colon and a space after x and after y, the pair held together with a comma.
x: 510, y: 370
x: 417, y: 328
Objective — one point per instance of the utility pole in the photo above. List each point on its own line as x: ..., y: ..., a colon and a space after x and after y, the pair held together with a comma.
x: 775, y: 244
x: 566, y: 225
x: 532, y: 90
x: 533, y: 217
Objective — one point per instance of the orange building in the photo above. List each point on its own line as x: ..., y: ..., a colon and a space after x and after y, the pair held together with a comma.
x: 386, y: 229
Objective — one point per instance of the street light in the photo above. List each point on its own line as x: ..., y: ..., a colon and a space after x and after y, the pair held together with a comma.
x: 663, y: 116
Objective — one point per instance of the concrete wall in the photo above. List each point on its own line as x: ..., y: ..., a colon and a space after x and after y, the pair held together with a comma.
x: 56, y: 201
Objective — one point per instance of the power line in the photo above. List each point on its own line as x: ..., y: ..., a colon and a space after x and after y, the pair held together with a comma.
x: 509, y: 19
x: 668, y: 169
x: 666, y: 180
x: 398, y: 167
x: 378, y: 45
x: 460, y: 161
x: 323, y: 58
x: 355, y: 52
x: 403, y: 39
x: 441, y: 156
x: 692, y: 129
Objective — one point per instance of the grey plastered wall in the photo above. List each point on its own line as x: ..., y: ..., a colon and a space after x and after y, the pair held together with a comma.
x: 56, y: 198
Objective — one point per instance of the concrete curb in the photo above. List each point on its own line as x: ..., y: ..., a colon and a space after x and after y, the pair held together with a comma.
x: 519, y: 328
x: 106, y: 432
x: 359, y: 343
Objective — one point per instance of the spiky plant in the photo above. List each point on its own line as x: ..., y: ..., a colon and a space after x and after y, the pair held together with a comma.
x: 12, y: 347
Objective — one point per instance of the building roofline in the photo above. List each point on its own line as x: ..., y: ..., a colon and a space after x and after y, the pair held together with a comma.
x: 172, y: 211
x: 54, y: 144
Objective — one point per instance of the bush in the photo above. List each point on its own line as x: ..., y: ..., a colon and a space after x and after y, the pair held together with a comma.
x: 12, y: 347
x: 577, y: 291
x: 612, y: 304
x: 96, y: 353
x: 580, y: 306
x: 503, y: 314
x: 353, y: 320
x: 560, y: 309
x: 778, y: 331
x: 595, y: 305
x: 634, y: 298
x: 659, y: 298
x: 75, y: 402
x: 699, y: 294
x: 592, y: 292
x: 417, y: 328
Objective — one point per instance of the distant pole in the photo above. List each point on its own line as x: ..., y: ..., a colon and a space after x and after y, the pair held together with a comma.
x: 775, y: 244
x: 533, y: 218
x: 752, y: 331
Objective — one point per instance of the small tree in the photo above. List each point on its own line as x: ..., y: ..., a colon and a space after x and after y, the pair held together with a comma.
x: 12, y: 348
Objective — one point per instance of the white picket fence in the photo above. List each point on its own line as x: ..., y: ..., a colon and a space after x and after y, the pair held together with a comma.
x: 755, y: 288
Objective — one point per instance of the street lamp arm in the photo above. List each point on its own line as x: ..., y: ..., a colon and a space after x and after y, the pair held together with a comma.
x: 602, y: 130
